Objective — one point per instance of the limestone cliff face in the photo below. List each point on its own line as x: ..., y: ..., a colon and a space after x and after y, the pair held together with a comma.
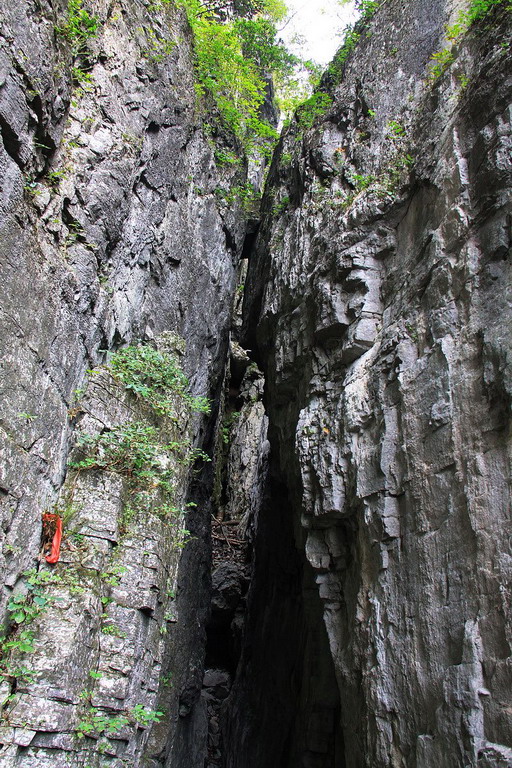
x: 110, y: 234
x: 378, y: 301
x: 361, y: 532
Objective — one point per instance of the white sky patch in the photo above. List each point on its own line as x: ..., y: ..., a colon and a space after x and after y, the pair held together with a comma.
x: 317, y: 27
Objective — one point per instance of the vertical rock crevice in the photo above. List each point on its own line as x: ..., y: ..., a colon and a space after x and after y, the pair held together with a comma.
x: 283, y: 709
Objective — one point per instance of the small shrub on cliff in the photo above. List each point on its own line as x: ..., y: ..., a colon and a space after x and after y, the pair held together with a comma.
x: 477, y: 11
x: 367, y: 9
x: 96, y: 722
x: 316, y: 106
x: 243, y: 194
x: 79, y: 27
x: 132, y: 449
x: 144, y: 717
x: 439, y: 63
x: 350, y: 41
x: 227, y: 423
x: 137, y: 450
x: 24, y: 607
x: 156, y: 377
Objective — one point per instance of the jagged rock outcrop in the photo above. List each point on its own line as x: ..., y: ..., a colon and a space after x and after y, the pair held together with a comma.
x: 378, y: 304
x: 111, y: 233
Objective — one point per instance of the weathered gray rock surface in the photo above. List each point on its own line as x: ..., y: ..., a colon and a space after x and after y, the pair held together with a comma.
x: 110, y: 233
x: 379, y: 305
x: 366, y: 497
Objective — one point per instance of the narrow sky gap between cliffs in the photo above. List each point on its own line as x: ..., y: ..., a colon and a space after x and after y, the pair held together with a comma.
x: 315, y: 29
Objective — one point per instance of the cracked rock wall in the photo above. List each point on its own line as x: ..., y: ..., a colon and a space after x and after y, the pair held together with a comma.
x: 378, y: 300
x: 110, y: 233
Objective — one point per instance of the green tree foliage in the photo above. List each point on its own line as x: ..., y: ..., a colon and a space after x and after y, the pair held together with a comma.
x: 258, y: 42
x: 232, y: 57
x: 274, y: 9
x: 293, y: 91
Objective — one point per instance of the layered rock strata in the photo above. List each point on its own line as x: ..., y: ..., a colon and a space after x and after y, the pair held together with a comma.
x: 378, y: 304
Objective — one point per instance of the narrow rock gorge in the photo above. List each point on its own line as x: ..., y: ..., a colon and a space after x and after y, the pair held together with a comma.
x: 277, y: 441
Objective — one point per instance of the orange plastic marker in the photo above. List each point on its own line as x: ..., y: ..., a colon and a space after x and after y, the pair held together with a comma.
x: 56, y: 523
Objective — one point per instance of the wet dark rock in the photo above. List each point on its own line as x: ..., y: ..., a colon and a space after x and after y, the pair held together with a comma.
x: 217, y: 683
x: 227, y: 588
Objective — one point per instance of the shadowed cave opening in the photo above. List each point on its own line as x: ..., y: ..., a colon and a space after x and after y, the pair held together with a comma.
x: 270, y: 693
x: 280, y: 705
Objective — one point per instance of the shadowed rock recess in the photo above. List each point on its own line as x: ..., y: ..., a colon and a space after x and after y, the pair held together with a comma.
x: 332, y: 590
